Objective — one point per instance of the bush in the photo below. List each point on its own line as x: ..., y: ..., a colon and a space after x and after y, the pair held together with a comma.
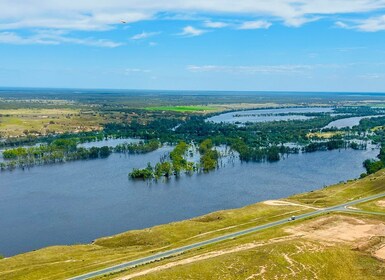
x: 141, y: 174
x: 372, y: 166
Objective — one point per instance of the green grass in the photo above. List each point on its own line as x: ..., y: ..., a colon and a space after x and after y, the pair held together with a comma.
x: 183, y: 109
x: 374, y: 206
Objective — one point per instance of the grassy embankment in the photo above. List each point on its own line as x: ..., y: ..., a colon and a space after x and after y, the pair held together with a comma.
x: 340, y: 262
x: 278, y: 259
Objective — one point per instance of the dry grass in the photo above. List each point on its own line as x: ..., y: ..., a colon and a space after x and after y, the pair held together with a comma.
x: 19, y: 122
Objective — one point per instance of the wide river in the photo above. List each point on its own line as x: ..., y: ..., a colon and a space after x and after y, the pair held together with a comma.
x: 79, y: 201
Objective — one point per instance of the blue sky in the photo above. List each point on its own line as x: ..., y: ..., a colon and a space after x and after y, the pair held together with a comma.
x: 308, y: 45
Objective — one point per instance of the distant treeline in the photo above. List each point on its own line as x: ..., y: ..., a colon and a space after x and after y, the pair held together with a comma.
x: 333, y: 144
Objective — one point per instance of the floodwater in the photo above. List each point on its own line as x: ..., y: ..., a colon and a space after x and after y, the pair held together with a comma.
x: 110, y: 142
x: 268, y: 115
x: 349, y: 122
x: 79, y: 201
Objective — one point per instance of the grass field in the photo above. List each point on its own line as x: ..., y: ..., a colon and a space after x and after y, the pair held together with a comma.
x: 293, y: 256
x: 293, y: 259
x: 375, y: 205
x: 19, y: 122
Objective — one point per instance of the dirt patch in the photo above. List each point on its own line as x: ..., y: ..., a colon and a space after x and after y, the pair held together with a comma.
x: 259, y: 274
x: 340, y: 229
x: 286, y: 203
x: 380, y: 253
x: 381, y: 203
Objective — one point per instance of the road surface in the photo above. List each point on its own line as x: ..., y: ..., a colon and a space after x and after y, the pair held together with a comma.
x: 180, y: 250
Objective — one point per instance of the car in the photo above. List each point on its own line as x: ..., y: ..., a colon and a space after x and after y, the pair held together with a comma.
x: 292, y: 218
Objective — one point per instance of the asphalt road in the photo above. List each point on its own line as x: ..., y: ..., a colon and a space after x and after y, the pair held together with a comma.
x: 173, y: 252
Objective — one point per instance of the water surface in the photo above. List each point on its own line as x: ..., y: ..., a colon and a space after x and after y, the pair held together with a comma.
x: 110, y: 142
x: 268, y: 115
x: 349, y: 122
x: 77, y: 202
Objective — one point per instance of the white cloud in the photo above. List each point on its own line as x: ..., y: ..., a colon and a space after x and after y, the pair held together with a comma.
x: 190, y: 31
x: 106, y: 14
x: 129, y: 71
x: 258, y: 24
x: 299, y: 21
x: 144, y: 35
x: 341, y: 24
x: 74, y: 21
x: 53, y: 38
x: 372, y: 24
x: 215, y: 24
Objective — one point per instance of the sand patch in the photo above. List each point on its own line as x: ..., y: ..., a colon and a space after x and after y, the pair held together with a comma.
x: 381, y: 203
x: 380, y: 253
x: 340, y: 229
x: 286, y: 203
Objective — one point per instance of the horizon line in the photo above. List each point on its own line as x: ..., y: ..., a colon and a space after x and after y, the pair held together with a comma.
x: 187, y: 90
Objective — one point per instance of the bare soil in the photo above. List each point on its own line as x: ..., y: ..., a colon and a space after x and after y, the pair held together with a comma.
x: 340, y: 229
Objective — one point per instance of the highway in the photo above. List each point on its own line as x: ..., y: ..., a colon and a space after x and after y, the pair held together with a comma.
x: 180, y: 250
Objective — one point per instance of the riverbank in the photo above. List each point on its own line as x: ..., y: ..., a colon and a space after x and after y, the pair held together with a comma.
x: 60, y: 262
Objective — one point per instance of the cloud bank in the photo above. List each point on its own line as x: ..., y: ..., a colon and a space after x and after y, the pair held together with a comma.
x: 104, y: 14
x: 37, y: 16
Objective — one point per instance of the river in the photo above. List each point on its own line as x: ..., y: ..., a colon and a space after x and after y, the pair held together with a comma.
x: 79, y: 201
